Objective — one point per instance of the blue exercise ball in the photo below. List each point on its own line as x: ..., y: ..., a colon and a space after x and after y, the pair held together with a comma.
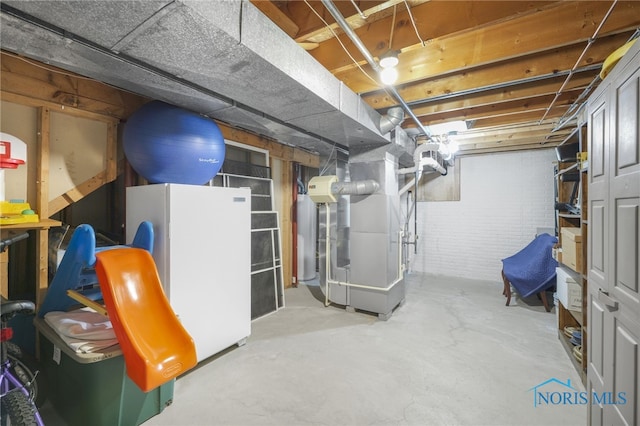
x: 167, y: 144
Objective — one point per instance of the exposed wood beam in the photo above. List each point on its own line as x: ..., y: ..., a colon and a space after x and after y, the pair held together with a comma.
x: 520, y: 134
x: 461, y: 52
x: 500, y: 148
x: 497, y: 97
x: 35, y: 80
x: 373, y: 12
x: 502, y: 145
x: 539, y: 136
x: 78, y: 192
x: 501, y: 132
x: 507, y: 121
x: 499, y: 109
x: 517, y: 69
x: 285, y: 23
x: 376, y: 34
x: 555, y: 112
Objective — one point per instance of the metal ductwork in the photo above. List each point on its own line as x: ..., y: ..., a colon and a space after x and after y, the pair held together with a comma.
x: 225, y: 60
x: 426, y: 155
x: 393, y: 118
x: 342, y: 22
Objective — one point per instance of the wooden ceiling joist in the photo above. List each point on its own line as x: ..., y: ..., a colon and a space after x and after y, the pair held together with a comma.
x: 524, y: 69
x: 434, y: 19
x: 494, y: 64
x: 499, y: 99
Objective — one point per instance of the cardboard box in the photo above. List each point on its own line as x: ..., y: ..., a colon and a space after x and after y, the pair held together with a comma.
x: 571, y: 241
x: 569, y: 289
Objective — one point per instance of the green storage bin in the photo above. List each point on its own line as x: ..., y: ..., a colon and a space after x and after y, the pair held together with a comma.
x: 94, y: 389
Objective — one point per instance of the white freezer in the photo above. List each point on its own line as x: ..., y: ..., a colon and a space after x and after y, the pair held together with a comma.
x: 202, y: 249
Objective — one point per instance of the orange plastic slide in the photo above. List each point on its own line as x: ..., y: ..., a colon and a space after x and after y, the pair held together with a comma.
x: 155, y: 345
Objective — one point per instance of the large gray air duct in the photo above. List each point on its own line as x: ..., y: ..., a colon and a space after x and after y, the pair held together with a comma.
x: 224, y: 59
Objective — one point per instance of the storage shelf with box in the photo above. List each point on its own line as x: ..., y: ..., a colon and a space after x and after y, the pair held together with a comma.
x: 570, y: 329
x: 571, y: 243
x: 571, y: 227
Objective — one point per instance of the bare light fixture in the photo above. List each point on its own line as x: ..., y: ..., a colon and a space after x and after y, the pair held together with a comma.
x: 446, y: 133
x: 389, y: 59
x: 388, y: 62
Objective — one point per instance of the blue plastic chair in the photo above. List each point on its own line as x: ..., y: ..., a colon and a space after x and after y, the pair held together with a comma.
x: 77, y: 268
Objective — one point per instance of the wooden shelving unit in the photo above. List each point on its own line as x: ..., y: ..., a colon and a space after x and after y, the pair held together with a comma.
x: 574, y: 219
x: 40, y: 229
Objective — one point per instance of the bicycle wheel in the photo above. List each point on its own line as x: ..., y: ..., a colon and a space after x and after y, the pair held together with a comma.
x: 17, y: 410
x: 24, y: 369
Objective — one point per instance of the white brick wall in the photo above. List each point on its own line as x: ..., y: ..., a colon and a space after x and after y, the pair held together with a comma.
x: 503, y: 199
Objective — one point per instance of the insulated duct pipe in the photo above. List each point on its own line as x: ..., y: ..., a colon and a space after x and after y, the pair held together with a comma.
x: 363, y: 49
x: 388, y: 122
x: 361, y: 187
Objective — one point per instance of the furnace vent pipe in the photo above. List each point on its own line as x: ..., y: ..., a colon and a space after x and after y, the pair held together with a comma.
x: 393, y: 118
x: 361, y: 187
x: 419, y: 162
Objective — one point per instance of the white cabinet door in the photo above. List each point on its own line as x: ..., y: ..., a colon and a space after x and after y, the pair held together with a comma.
x: 614, y: 247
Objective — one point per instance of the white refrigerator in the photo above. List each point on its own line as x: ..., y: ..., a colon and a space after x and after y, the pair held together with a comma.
x: 202, y: 249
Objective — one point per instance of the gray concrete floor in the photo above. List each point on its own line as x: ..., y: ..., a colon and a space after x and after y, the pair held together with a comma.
x: 452, y: 354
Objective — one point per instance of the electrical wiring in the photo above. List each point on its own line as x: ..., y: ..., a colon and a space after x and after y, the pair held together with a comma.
x: 413, y: 22
x: 326, y: 165
x: 341, y: 44
x: 361, y: 13
x: 590, y: 41
x: 393, y: 24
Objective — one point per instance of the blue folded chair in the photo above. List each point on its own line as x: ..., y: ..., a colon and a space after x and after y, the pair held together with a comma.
x: 532, y: 270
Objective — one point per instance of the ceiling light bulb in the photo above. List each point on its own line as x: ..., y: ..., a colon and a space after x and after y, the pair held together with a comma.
x: 388, y: 76
x: 388, y: 61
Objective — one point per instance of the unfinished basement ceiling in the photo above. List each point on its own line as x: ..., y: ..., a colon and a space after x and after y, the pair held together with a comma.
x: 222, y: 59
x: 513, y: 70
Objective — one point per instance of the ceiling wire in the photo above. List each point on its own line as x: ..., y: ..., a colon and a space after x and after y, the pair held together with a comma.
x: 577, y: 105
x: 413, y: 22
x: 361, y: 13
x: 584, y: 52
x: 393, y: 25
x: 341, y: 21
x: 341, y: 44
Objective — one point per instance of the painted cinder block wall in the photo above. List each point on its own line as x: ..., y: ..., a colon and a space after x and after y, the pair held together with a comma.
x: 504, y: 198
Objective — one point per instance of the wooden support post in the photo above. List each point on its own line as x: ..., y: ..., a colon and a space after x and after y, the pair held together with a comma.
x: 4, y: 271
x: 286, y: 177
x: 42, y: 204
